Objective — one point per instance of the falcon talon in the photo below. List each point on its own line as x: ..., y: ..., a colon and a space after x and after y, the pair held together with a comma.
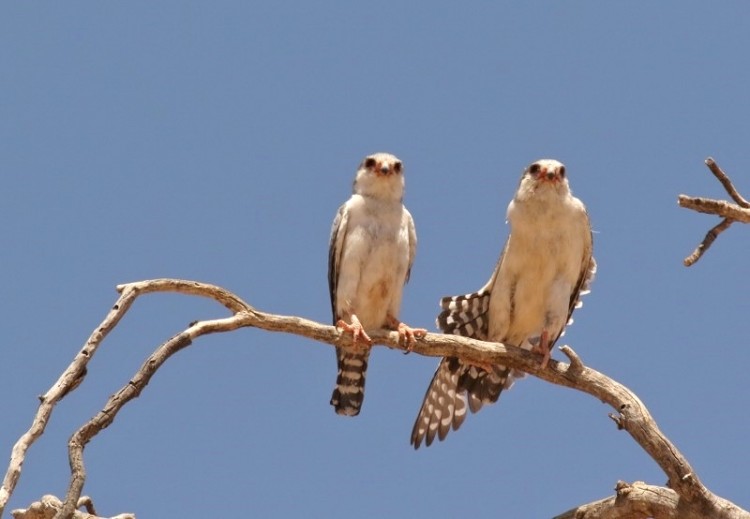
x: 417, y: 333
x: 358, y: 333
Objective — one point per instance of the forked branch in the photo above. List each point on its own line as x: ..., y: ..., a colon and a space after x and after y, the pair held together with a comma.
x: 730, y: 213
x: 630, y: 413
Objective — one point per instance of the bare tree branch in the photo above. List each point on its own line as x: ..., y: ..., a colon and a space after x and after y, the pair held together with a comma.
x: 48, y: 506
x: 635, y: 501
x: 718, y: 207
x: 703, y: 246
x: 630, y: 413
x: 68, y: 381
x: 739, y: 212
x: 724, y: 179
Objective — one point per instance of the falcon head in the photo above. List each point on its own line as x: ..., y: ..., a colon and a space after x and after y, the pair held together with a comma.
x: 545, y: 178
x: 380, y: 175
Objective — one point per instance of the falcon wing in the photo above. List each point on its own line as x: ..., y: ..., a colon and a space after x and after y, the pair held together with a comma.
x: 412, y: 242
x: 335, y: 247
x: 583, y: 286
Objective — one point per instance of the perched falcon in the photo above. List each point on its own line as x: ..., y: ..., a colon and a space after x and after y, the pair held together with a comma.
x: 545, y: 267
x: 372, y: 247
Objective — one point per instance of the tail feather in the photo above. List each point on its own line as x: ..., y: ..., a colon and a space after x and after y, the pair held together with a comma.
x: 465, y: 315
x: 349, y: 392
x: 456, y: 385
x: 443, y: 408
x: 482, y: 386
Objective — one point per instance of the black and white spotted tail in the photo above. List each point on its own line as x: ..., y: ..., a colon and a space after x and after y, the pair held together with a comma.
x: 445, y: 402
x: 350, y: 382
x: 455, y: 385
x: 465, y: 315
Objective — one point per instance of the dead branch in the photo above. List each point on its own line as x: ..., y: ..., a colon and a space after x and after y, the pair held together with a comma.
x: 48, y: 506
x: 724, y: 179
x: 635, y: 501
x: 630, y: 413
x: 738, y: 212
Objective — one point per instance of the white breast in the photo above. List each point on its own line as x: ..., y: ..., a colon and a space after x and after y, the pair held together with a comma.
x: 540, y: 269
x: 374, y: 260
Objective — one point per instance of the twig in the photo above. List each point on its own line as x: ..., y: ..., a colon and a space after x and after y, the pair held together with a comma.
x: 724, y: 179
x: 718, y: 207
x: 703, y: 246
x: 633, y: 415
x: 576, y: 364
x: 739, y: 212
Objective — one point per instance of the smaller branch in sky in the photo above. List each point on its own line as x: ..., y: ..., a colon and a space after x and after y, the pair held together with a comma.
x: 707, y: 241
x: 739, y: 212
x: 724, y: 179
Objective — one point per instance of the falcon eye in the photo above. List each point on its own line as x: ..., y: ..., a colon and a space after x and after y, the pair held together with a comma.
x: 397, y: 167
x: 534, y: 169
x: 370, y: 162
x: 562, y: 171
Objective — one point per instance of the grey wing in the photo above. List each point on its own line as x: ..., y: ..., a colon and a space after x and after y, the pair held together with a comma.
x: 412, y: 242
x: 335, y: 247
x: 585, y: 278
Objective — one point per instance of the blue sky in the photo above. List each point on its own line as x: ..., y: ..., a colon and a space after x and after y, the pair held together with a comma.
x: 215, y: 140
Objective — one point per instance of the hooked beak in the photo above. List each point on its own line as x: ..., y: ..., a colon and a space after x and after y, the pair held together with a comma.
x: 550, y: 175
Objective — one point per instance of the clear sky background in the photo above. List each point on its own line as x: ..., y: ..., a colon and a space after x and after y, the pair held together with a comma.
x: 215, y: 141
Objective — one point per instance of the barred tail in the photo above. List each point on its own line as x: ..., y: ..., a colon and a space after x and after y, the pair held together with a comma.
x: 443, y: 407
x: 454, y: 386
x: 350, y: 383
x: 465, y: 315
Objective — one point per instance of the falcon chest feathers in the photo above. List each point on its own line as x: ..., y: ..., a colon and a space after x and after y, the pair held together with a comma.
x: 545, y: 266
x: 374, y: 261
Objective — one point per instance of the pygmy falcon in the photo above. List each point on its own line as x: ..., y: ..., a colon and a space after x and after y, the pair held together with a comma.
x: 371, y: 251
x: 545, y: 266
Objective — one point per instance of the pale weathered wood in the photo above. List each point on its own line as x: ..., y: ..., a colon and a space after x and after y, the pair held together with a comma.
x: 48, y: 506
x: 630, y: 413
x: 717, y: 207
x: 635, y: 501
